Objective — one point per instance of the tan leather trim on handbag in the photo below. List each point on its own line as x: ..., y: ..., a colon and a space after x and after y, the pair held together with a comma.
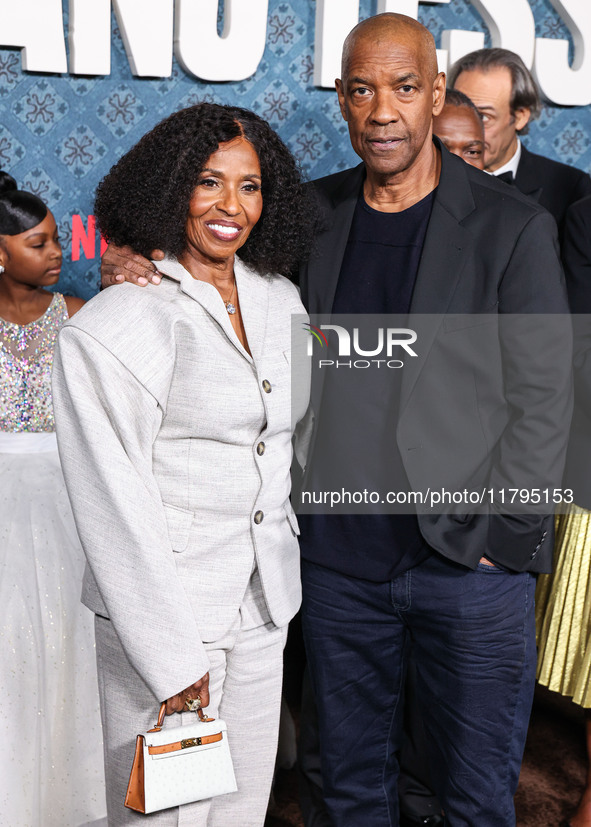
x: 189, y: 742
x: 160, y: 720
x: 135, y: 797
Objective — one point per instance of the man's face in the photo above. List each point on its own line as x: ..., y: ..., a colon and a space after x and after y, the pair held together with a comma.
x: 461, y: 131
x: 490, y: 92
x: 388, y: 99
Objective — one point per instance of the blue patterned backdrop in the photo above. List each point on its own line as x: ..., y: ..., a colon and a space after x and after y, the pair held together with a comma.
x: 60, y: 134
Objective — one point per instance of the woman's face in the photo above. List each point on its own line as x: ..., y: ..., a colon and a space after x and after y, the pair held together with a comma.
x: 33, y: 257
x: 226, y: 203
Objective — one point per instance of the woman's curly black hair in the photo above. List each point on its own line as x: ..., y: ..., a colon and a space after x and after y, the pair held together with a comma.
x: 144, y: 200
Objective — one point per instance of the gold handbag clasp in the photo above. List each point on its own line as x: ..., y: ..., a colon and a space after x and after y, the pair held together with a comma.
x: 190, y: 742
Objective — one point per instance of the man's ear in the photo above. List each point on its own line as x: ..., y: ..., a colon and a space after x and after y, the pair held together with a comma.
x: 339, y: 86
x: 438, y: 93
x: 522, y: 117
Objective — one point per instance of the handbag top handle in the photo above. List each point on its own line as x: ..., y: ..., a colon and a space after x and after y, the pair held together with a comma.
x: 204, y: 719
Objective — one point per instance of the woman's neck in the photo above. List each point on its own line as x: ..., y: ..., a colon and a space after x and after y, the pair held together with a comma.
x: 217, y: 272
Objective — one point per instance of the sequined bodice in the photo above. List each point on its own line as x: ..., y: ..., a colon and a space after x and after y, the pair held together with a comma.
x: 26, y: 358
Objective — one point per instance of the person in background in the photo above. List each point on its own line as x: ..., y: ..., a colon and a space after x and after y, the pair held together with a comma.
x: 506, y: 95
x: 52, y: 767
x: 460, y: 128
x: 563, y: 598
x: 507, y: 98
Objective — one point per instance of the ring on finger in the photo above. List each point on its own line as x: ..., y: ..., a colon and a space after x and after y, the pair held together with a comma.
x: 193, y: 704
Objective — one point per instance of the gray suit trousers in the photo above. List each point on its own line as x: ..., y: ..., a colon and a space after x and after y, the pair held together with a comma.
x: 245, y: 691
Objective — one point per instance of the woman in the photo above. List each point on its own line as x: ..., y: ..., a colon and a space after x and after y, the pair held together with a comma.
x: 52, y: 773
x: 179, y: 400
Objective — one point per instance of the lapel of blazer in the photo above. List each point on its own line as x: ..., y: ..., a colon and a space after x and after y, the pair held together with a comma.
x: 324, y: 267
x: 253, y: 294
x: 329, y: 247
x: 441, y: 264
x: 526, y: 180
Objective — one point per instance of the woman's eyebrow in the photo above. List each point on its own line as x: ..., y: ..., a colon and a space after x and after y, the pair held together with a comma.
x: 221, y: 174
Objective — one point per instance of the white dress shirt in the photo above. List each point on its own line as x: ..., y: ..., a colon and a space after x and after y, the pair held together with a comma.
x: 512, y: 164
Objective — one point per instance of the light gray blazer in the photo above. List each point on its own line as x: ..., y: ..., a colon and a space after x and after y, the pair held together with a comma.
x: 176, y: 450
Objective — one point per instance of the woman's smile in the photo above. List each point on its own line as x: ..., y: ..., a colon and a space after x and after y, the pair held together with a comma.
x: 224, y: 230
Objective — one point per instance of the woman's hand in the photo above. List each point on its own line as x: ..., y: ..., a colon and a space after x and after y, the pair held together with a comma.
x: 120, y: 264
x: 200, y: 687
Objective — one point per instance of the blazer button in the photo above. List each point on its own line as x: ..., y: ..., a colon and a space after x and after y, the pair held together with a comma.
x: 261, y: 449
x: 266, y: 386
x: 258, y: 517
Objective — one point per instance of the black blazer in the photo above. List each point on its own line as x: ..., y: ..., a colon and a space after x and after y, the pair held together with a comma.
x: 553, y: 185
x: 576, y: 256
x: 489, y: 251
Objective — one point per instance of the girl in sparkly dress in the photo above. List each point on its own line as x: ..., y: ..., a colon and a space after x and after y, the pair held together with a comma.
x: 51, y: 769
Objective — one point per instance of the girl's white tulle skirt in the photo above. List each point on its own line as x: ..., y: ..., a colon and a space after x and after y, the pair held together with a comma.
x: 51, y: 759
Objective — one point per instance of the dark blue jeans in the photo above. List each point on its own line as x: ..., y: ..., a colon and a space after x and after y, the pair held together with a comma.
x: 472, y: 635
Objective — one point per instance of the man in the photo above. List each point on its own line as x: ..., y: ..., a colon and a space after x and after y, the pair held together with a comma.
x: 506, y: 96
x: 460, y: 128
x: 415, y: 229
x: 366, y: 593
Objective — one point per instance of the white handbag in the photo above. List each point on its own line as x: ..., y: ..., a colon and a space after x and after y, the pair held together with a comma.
x: 180, y: 765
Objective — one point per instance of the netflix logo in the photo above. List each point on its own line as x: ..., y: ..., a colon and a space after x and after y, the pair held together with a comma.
x: 85, y: 238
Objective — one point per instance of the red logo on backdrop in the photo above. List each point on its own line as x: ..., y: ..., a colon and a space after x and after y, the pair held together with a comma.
x: 84, y: 238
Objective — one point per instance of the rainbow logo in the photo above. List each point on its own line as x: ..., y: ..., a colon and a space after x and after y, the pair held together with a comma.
x: 317, y: 333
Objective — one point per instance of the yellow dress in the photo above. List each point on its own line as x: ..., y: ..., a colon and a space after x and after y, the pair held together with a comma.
x: 563, y: 611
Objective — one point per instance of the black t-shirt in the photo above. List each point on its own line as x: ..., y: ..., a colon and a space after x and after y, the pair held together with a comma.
x: 377, y: 276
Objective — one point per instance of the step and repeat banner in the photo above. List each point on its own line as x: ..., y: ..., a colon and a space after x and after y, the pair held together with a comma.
x: 81, y: 81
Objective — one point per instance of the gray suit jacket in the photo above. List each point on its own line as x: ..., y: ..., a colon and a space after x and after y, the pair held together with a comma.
x: 176, y: 447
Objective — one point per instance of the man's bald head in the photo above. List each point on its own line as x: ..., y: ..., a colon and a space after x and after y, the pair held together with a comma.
x: 394, y: 28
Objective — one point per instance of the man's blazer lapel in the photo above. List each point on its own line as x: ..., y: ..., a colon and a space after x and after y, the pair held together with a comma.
x: 441, y: 265
x: 527, y: 179
x: 321, y: 274
x: 329, y: 245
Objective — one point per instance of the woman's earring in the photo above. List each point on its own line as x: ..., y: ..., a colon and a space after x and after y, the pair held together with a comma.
x: 1, y: 269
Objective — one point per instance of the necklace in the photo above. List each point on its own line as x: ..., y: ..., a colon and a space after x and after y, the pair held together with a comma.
x: 231, y: 308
